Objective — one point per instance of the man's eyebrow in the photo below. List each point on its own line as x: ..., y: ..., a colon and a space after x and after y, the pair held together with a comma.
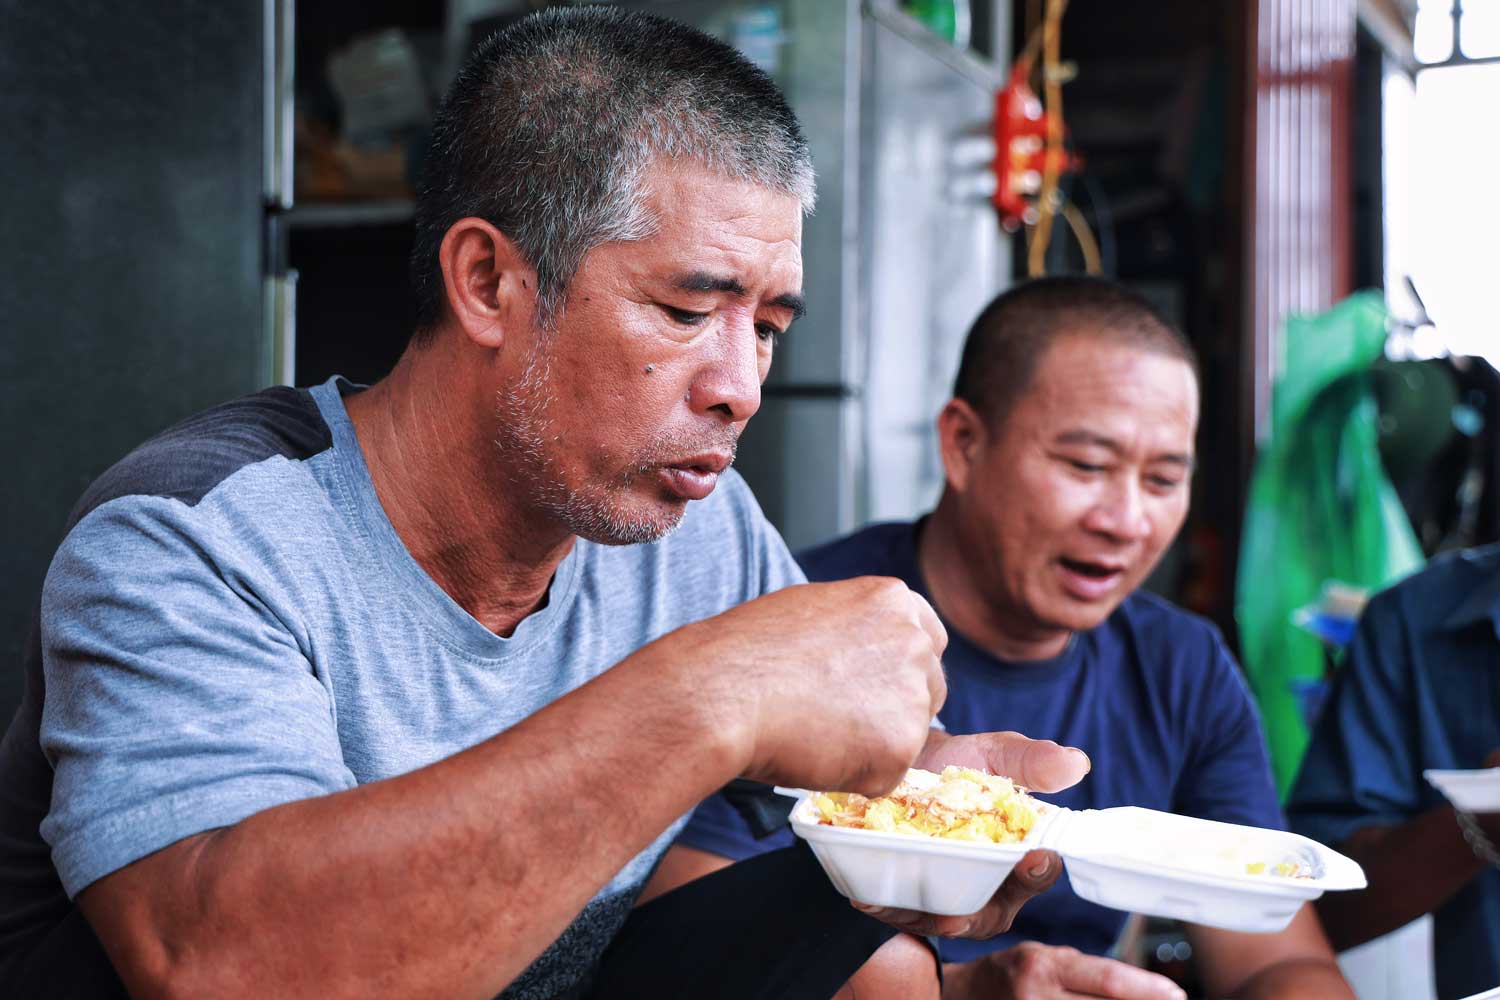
x: 792, y: 301
x: 1098, y: 440
x: 1089, y: 437
x: 705, y: 281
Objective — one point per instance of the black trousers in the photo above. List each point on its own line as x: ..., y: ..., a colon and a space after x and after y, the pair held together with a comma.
x: 769, y: 927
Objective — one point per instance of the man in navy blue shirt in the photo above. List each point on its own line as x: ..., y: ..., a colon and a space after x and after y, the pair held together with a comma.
x: 1068, y: 449
x: 1420, y: 689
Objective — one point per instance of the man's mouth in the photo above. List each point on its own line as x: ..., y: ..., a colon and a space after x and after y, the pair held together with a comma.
x: 1090, y: 580
x: 694, y: 478
x: 709, y: 461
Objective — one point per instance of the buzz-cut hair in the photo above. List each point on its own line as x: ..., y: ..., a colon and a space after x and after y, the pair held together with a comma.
x: 551, y: 126
x: 1009, y: 338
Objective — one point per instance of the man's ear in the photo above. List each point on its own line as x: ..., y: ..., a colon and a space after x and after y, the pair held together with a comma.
x: 491, y: 289
x: 962, y: 433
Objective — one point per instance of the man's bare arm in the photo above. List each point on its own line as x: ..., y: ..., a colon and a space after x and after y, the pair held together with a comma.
x: 1294, y: 964
x: 448, y: 881
x: 1413, y: 868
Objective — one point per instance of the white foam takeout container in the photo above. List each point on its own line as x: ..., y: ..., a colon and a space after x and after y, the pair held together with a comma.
x: 1127, y: 858
x: 1476, y: 791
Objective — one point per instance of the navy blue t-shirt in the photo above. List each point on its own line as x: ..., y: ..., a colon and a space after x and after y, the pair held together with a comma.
x: 1152, y: 695
x: 1420, y: 689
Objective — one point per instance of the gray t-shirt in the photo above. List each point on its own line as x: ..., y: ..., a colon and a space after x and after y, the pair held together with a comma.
x: 234, y: 624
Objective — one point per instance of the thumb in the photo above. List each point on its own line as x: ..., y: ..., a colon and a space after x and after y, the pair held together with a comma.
x: 1035, y: 873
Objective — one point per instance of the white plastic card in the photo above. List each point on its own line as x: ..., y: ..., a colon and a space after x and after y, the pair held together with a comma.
x: 1128, y: 858
x: 1476, y: 791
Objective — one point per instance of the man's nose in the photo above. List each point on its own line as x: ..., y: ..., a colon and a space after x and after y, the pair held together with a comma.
x: 729, y: 383
x: 1121, y: 513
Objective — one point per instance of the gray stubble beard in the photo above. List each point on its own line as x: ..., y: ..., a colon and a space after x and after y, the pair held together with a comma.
x: 524, y: 423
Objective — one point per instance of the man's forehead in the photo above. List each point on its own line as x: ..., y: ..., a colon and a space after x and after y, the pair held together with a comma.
x: 667, y: 185
x: 1114, y: 395
x: 712, y: 233
x: 1108, y: 348
x: 1087, y: 368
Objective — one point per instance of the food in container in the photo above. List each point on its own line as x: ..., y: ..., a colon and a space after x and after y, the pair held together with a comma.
x: 1141, y: 860
x: 959, y: 804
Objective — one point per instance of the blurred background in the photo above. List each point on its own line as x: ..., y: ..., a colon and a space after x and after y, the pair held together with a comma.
x: 206, y: 199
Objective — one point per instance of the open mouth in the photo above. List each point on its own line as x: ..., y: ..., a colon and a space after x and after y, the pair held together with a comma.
x: 1094, y: 571
x: 1089, y: 581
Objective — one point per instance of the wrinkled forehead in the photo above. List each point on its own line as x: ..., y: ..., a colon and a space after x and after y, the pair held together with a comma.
x: 680, y: 189
x: 704, y: 220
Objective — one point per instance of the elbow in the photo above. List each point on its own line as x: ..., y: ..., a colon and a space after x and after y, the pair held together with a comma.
x: 153, y: 965
x: 154, y: 922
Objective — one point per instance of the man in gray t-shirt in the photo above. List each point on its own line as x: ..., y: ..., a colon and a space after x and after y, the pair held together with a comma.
x: 404, y: 690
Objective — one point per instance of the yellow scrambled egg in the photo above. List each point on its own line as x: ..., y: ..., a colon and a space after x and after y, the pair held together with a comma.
x: 1284, y: 869
x: 959, y: 804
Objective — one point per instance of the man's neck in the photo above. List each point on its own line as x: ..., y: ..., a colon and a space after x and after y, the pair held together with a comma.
x: 959, y: 593
x: 429, y: 445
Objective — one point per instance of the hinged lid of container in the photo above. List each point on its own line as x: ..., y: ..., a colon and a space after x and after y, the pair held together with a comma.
x: 1205, y: 872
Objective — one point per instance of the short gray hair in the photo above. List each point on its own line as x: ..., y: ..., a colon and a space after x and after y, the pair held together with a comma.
x: 549, y: 129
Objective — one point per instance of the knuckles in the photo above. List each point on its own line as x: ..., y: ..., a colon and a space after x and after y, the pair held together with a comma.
x: 886, y: 595
x: 1031, y: 962
x: 1112, y: 982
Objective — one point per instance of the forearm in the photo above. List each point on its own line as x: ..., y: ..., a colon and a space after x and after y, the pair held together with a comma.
x: 447, y: 881
x: 961, y: 981
x: 1412, y: 869
x: 1297, y: 979
x: 1293, y: 962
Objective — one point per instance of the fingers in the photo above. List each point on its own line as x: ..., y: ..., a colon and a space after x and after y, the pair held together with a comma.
x: 915, y: 921
x: 931, y: 623
x: 937, y: 684
x: 937, y: 688
x: 1040, y: 765
x: 1105, y: 977
x: 1033, y: 874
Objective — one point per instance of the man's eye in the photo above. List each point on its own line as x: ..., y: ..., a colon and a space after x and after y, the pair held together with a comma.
x: 685, y: 316
x: 768, y: 333
x: 1163, y: 483
x: 1085, y: 466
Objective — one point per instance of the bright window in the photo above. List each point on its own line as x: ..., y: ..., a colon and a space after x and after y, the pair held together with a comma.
x: 1479, y: 29
x: 1442, y: 218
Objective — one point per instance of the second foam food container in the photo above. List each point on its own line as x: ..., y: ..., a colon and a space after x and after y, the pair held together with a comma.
x: 1128, y: 858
